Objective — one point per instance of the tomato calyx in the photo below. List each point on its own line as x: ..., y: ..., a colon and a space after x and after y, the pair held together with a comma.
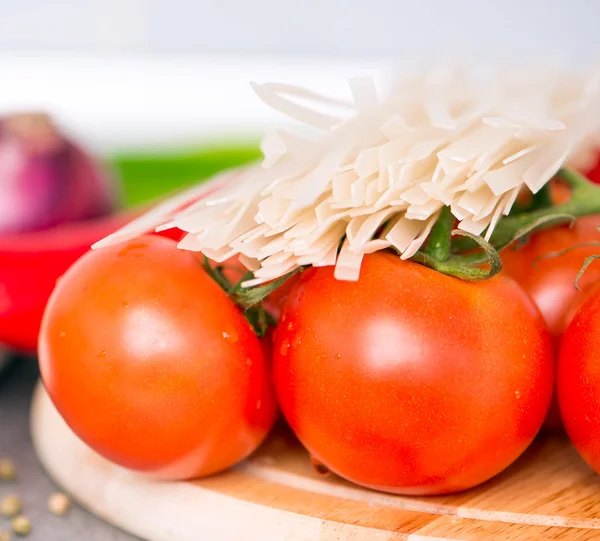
x: 564, y: 251
x: 584, y: 200
x: 438, y: 255
x: 464, y: 266
x: 462, y: 258
x: 586, y: 263
x: 249, y: 299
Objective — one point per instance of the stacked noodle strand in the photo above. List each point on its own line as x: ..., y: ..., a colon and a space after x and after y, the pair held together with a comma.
x: 374, y: 172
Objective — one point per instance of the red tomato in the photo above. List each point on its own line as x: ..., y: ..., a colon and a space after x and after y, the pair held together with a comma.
x: 152, y: 365
x: 578, y: 382
x: 551, y: 281
x: 411, y: 381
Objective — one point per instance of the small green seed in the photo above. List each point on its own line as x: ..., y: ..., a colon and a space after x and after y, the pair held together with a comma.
x: 5, y: 535
x: 59, y: 504
x: 8, y: 472
x: 10, y: 506
x: 21, y: 525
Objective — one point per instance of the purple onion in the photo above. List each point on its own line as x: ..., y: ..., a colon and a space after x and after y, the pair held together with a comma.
x: 46, y: 179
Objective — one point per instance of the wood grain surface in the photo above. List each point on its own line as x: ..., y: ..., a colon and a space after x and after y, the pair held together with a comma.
x: 549, y: 493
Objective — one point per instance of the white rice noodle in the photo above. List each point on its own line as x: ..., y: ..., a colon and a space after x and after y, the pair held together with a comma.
x: 415, y: 244
x: 374, y: 172
x: 348, y: 263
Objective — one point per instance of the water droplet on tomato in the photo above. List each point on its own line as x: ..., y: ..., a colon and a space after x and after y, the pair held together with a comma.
x: 258, y: 404
x: 249, y: 362
x: 285, y: 347
x: 338, y: 355
x: 102, y: 354
x: 124, y: 304
x: 230, y: 337
x: 518, y: 394
x: 62, y: 334
x: 283, y: 318
x: 290, y: 326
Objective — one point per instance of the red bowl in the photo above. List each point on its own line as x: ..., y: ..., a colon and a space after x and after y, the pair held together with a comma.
x: 30, y: 265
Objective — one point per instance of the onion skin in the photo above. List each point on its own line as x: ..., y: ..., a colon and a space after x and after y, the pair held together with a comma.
x: 46, y: 179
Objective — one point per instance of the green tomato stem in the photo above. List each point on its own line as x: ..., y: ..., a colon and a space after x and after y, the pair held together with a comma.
x: 438, y: 246
x: 460, y: 266
x: 542, y: 199
x: 585, y: 200
x: 463, y: 259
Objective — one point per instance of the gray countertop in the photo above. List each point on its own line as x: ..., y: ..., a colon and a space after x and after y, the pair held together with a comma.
x: 33, y: 486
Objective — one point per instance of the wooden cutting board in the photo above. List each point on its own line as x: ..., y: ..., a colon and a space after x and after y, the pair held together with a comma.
x: 549, y: 493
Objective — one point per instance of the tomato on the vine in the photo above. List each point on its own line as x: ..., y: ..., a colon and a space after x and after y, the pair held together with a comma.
x: 578, y: 379
x: 234, y: 271
x: 548, y: 276
x: 151, y: 363
x: 411, y: 381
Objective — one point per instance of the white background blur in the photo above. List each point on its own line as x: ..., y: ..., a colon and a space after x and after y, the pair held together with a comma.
x: 401, y: 28
x: 145, y: 72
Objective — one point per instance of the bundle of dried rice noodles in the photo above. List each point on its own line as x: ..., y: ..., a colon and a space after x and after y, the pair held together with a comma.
x: 377, y: 170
